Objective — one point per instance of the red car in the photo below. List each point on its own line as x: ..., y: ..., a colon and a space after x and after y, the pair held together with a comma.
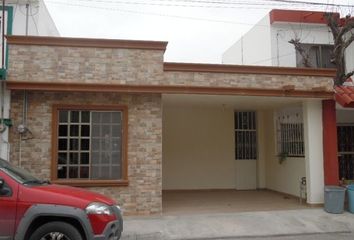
x: 31, y: 209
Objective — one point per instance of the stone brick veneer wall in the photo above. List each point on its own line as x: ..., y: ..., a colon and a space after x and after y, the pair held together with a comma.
x: 143, y: 195
x: 88, y: 65
x: 133, y: 67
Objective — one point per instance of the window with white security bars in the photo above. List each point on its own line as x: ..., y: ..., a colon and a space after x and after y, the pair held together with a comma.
x: 291, y: 139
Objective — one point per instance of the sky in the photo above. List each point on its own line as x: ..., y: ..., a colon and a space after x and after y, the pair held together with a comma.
x: 198, y: 31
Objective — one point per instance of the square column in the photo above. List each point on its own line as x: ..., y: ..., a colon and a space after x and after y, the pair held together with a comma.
x: 313, y: 141
x: 330, y: 146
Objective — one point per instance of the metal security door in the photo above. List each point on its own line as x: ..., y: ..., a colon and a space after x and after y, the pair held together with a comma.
x: 345, y: 135
x: 246, y: 150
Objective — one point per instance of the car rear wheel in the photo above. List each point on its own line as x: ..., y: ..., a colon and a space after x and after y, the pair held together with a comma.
x: 56, y: 231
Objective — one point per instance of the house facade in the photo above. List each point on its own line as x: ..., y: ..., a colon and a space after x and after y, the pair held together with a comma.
x: 22, y: 17
x: 273, y: 49
x: 111, y: 116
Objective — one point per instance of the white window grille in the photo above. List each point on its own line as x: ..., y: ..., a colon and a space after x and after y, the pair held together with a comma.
x: 245, y: 136
x: 292, y: 139
x: 290, y: 132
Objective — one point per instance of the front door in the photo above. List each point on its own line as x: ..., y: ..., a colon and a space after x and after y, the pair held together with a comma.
x: 246, y: 150
x: 8, y: 200
x: 345, y: 135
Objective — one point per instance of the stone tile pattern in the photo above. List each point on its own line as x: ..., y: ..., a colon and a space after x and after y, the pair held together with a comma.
x: 114, y: 66
x: 133, y: 67
x: 143, y: 196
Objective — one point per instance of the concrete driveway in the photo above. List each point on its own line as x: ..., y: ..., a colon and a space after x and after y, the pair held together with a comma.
x: 238, y: 225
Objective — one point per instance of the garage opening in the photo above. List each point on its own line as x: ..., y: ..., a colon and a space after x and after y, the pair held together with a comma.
x: 231, y: 153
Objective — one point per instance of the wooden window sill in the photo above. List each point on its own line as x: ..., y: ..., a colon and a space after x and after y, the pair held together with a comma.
x: 92, y: 183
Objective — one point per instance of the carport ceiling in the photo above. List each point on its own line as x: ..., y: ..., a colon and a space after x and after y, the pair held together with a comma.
x: 239, y: 102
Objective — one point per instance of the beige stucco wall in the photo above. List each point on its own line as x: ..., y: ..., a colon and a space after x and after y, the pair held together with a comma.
x: 143, y: 195
x: 198, y: 148
x: 282, y: 177
x: 131, y: 66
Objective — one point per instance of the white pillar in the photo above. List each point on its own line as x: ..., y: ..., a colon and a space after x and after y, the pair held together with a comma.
x: 313, y: 141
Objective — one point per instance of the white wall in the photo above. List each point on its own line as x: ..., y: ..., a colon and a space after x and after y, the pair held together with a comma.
x: 345, y: 116
x: 268, y: 45
x: 40, y: 22
x: 198, y: 151
x: 253, y: 48
x: 349, y: 56
x: 198, y: 148
x: 282, y: 177
x: 313, y: 137
x: 283, y: 53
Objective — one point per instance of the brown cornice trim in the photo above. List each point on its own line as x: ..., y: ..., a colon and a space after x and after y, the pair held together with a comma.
x: 111, y: 88
x: 245, y: 69
x: 85, y: 42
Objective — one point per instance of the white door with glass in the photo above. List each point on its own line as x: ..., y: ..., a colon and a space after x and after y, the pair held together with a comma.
x: 246, y: 150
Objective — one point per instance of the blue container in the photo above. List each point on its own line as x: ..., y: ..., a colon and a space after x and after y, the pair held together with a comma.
x: 351, y: 197
x: 334, y: 199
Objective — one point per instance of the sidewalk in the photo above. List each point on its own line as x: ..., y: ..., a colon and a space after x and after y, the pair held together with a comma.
x: 206, y: 226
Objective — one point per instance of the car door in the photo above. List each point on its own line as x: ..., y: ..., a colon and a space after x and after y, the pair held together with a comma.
x: 8, y: 203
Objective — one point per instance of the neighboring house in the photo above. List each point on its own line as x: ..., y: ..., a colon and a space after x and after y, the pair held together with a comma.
x: 267, y: 43
x: 112, y: 116
x: 273, y: 49
x: 22, y: 17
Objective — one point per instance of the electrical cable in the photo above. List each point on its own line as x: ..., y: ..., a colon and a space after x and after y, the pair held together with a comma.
x: 163, y: 15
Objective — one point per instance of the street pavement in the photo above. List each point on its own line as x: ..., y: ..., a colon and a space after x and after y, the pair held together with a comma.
x: 330, y: 236
x: 306, y: 224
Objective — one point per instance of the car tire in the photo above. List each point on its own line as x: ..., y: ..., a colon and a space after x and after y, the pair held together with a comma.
x: 67, y: 230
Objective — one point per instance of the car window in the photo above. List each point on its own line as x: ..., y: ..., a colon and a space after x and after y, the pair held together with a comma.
x: 19, y: 174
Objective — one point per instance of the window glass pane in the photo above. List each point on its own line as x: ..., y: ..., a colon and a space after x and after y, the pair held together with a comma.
x: 95, y: 157
x: 74, y: 144
x: 96, y: 117
x: 95, y: 172
x: 62, y: 172
x: 85, y: 130
x: 116, y: 158
x: 106, y: 131
x: 116, y: 172
x: 116, y: 144
x: 74, y: 116
x: 106, y: 144
x: 116, y: 131
x: 74, y: 130
x: 84, y: 172
x: 105, y: 172
x: 85, y: 116
x: 62, y: 144
x: 106, y: 117
x: 105, y: 158
x: 73, y: 172
x: 74, y: 158
x: 85, y: 144
x: 95, y: 144
x: 63, y: 116
x: 116, y: 117
x: 96, y: 131
x: 84, y: 158
x: 63, y: 130
x: 62, y: 158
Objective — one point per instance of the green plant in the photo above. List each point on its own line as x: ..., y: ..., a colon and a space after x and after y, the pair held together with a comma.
x: 282, y: 157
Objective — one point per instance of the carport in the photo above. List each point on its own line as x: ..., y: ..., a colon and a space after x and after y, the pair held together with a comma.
x: 215, y: 161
